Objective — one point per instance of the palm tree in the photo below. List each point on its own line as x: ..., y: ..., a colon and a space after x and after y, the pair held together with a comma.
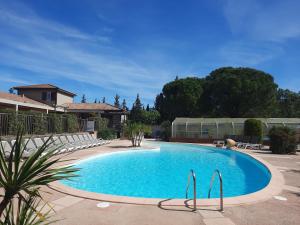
x: 26, y: 213
x: 24, y: 177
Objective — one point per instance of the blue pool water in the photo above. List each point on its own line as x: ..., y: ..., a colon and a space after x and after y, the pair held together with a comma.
x: 163, y: 173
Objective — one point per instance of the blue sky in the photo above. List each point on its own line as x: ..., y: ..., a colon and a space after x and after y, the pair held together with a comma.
x: 100, y: 48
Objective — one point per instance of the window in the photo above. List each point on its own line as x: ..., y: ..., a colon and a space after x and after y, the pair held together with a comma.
x: 44, y: 96
x: 48, y: 96
x: 53, y: 96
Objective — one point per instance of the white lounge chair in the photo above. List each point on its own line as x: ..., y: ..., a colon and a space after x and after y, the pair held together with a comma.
x: 91, y: 143
x: 95, y: 142
x: 6, y: 147
x: 72, y: 141
x: 87, y: 143
x: 68, y: 145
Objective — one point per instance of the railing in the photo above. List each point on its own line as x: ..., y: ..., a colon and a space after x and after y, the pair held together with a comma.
x: 221, y: 187
x: 192, y: 173
x: 35, y: 124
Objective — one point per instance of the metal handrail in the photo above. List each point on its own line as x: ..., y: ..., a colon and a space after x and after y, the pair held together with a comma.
x: 221, y: 187
x: 192, y: 173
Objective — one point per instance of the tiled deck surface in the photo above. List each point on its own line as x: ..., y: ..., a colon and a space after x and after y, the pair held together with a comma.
x: 72, y: 210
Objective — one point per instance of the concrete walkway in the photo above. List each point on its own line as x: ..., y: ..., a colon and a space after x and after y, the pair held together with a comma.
x: 280, y: 210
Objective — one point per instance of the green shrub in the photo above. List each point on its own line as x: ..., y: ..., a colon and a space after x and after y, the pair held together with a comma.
x: 253, y: 128
x: 282, y: 140
x: 166, y: 130
x: 136, y: 132
x: 72, y: 123
x: 55, y: 123
x: 107, y: 134
x: 101, y: 123
x: 40, y: 124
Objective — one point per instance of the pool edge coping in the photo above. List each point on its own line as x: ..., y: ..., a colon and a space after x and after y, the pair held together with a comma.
x: 274, y: 187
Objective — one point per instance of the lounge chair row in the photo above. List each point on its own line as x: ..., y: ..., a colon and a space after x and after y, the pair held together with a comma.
x: 63, y: 143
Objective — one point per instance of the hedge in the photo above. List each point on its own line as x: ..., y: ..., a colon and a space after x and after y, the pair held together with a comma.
x: 39, y: 123
x: 253, y: 128
x: 282, y: 140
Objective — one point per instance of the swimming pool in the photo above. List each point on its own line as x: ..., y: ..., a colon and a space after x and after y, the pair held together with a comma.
x: 163, y: 173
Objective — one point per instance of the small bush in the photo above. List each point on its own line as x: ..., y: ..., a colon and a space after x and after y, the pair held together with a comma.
x: 72, y: 123
x: 100, y: 123
x: 40, y: 124
x: 166, y: 130
x: 107, y: 134
x: 282, y: 140
x: 56, y: 123
x: 253, y: 128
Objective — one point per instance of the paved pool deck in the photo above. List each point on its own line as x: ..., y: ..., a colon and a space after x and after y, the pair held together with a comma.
x: 73, y: 210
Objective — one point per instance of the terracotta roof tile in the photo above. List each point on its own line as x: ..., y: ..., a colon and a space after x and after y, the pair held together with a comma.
x: 19, y: 98
x: 91, y: 106
x: 43, y: 86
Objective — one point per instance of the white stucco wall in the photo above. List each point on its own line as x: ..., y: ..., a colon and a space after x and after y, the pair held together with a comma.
x: 61, y: 99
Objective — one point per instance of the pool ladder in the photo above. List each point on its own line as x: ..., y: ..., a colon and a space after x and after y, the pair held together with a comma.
x: 192, y: 174
x: 221, y: 187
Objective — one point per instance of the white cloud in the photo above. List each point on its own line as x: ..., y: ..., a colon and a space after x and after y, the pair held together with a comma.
x: 12, y: 79
x: 246, y: 53
x: 275, y: 20
x: 51, y: 49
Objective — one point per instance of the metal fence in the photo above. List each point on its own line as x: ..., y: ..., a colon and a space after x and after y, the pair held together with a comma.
x: 35, y: 124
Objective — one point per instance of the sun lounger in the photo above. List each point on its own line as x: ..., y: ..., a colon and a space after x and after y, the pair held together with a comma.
x: 6, y: 147
x: 87, y: 143
x: 61, y: 147
x: 72, y: 141
x: 96, y: 142
x: 92, y: 143
x: 70, y: 145
x: 98, y: 139
x: 29, y: 146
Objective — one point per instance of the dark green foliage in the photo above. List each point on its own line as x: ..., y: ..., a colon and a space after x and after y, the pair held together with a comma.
x: 107, y: 134
x: 180, y: 98
x: 253, y: 128
x: 150, y: 117
x: 101, y: 126
x: 39, y: 121
x: 227, y: 92
x: 100, y: 123
x: 288, y: 103
x: 72, y: 123
x: 166, y: 130
x: 124, y: 106
x: 282, y: 140
x: 117, y: 101
x: 103, y: 100
x: 83, y: 99
x: 24, y: 177
x: 238, y: 92
x: 137, y: 110
x: 24, y: 213
x: 56, y: 123
x: 136, y: 131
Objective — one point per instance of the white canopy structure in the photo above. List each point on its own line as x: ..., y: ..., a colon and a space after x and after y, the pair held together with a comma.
x: 217, y: 128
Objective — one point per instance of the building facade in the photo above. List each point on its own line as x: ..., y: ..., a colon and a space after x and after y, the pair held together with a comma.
x: 50, y: 98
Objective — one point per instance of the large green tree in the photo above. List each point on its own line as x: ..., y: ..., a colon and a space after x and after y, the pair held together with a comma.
x: 238, y: 92
x: 117, y: 101
x: 180, y: 98
x: 288, y: 103
x: 137, y: 110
